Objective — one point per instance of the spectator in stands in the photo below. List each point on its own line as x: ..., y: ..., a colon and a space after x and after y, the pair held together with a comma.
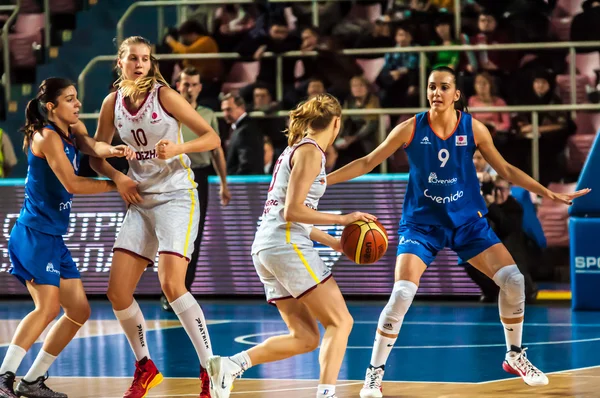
x: 399, y: 76
x: 194, y: 39
x: 586, y: 26
x: 445, y: 37
x: 359, y: 134
x: 379, y: 37
x: 505, y: 215
x: 272, y: 127
x: 310, y: 42
x: 485, y: 95
x: 485, y: 173
x: 555, y: 128
x: 494, y: 62
x: 8, y: 159
x: 315, y: 87
x: 245, y: 149
x: 277, y: 41
x: 233, y: 22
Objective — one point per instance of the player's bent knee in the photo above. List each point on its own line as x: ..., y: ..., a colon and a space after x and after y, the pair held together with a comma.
x: 119, y: 298
x: 512, y: 284
x: 173, y: 289
x: 79, y: 314
x: 400, y: 301
x: 310, y: 342
x: 49, y: 311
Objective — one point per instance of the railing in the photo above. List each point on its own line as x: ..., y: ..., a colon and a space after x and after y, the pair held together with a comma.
x: 47, y: 28
x: 5, y: 43
x: 370, y: 51
x: 382, y: 113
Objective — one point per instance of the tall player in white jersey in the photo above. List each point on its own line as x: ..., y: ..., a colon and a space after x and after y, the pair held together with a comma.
x: 163, y: 202
x: 296, y: 279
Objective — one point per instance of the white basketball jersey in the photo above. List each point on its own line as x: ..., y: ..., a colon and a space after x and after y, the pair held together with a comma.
x: 141, y: 131
x: 274, y: 230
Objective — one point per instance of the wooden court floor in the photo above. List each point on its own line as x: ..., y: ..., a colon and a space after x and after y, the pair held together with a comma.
x: 584, y: 383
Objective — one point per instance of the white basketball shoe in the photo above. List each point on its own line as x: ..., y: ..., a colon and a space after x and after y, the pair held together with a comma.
x: 223, y: 372
x: 516, y: 362
x: 373, y: 379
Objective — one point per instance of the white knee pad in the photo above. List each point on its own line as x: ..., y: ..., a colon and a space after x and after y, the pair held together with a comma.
x: 512, y: 291
x: 392, y: 315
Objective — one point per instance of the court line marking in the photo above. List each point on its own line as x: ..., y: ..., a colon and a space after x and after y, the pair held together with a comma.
x: 121, y: 332
x: 243, y: 340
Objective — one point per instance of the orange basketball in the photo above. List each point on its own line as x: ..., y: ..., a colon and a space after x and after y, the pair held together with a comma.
x: 364, y: 242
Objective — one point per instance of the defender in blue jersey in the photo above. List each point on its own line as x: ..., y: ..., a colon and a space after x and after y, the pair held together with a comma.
x: 443, y: 208
x: 40, y: 258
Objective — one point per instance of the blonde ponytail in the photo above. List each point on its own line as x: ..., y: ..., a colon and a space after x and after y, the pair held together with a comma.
x: 314, y: 114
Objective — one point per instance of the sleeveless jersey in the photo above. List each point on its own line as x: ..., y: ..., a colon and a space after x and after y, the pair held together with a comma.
x: 443, y: 188
x: 141, y: 131
x: 274, y: 230
x: 47, y: 204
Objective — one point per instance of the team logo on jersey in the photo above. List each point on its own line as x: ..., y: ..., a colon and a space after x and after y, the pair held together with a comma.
x: 65, y: 205
x: 425, y: 141
x: 404, y: 241
x: 154, y: 118
x: 444, y: 199
x: 433, y: 179
x: 322, y: 181
x: 461, y: 140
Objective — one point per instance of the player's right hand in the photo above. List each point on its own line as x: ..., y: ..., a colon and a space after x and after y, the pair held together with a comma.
x: 567, y: 198
x: 128, y: 190
x: 357, y: 216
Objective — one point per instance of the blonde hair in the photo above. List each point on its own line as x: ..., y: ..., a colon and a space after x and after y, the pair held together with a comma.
x: 315, y: 114
x: 141, y: 85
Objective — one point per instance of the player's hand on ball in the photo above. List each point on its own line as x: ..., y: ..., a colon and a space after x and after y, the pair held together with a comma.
x: 357, y: 216
x: 567, y: 198
x: 166, y: 149
x: 121, y: 151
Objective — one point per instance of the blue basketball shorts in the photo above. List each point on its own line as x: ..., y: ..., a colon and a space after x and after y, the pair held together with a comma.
x: 425, y: 241
x: 40, y: 258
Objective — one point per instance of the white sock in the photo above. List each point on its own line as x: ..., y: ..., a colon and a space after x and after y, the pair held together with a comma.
x: 243, y: 360
x: 513, y: 333
x: 381, y: 349
x: 40, y: 366
x: 134, y: 325
x: 191, y: 317
x: 12, y: 360
x: 325, y: 390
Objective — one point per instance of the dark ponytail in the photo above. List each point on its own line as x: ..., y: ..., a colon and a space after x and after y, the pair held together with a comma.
x: 462, y: 102
x: 36, y: 114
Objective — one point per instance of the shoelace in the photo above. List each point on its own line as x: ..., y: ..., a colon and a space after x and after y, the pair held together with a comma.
x: 373, y: 379
x: 43, y: 385
x: 525, y: 364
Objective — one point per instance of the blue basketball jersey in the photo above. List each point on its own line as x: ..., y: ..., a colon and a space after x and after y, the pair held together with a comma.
x: 442, y: 188
x: 47, y: 204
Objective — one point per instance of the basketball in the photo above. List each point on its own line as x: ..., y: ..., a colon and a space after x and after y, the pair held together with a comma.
x: 364, y: 242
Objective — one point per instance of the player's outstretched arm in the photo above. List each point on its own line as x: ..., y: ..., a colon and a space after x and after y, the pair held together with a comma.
x: 98, y: 149
x: 104, y: 133
x: 509, y: 172
x: 400, y: 135
x: 306, y: 166
x: 51, y: 146
x: 176, y: 105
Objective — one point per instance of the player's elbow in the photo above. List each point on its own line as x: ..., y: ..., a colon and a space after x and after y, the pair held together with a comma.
x: 290, y: 213
x: 71, y: 186
x: 215, y: 141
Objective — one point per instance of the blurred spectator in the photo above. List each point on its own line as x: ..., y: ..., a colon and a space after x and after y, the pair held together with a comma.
x: 379, y: 37
x: 272, y: 127
x: 277, y: 41
x: 330, y: 13
x: 359, y: 134
x: 245, y: 147
x: 505, y: 215
x: 485, y: 95
x: 399, y: 76
x: 445, y: 37
x: 8, y: 159
x: 586, y: 25
x: 310, y: 42
x: 233, y: 22
x: 194, y: 39
x: 315, y: 87
x: 485, y: 173
x: 555, y: 128
x: 495, y: 62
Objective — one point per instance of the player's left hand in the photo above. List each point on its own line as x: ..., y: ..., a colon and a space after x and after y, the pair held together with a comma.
x: 567, y: 198
x: 225, y: 195
x: 121, y: 151
x: 166, y: 149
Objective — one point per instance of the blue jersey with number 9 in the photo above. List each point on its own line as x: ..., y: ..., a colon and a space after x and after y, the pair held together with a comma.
x: 443, y: 188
